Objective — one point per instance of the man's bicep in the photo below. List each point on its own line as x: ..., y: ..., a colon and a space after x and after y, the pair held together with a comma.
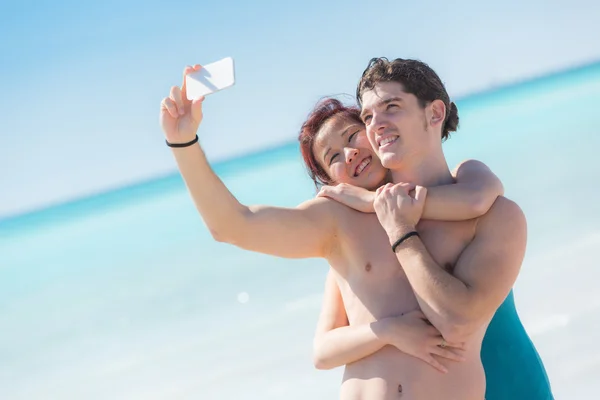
x: 489, y: 266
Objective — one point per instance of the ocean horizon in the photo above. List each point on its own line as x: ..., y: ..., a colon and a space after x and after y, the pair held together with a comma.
x: 228, y: 165
x: 125, y: 295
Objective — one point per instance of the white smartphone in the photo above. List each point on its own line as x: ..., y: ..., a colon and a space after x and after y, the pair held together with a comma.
x: 210, y: 78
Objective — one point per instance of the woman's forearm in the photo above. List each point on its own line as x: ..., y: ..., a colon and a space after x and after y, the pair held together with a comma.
x: 346, y: 345
x: 474, y: 192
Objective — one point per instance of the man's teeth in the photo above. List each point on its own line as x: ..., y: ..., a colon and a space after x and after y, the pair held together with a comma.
x: 387, y: 140
x: 362, y: 166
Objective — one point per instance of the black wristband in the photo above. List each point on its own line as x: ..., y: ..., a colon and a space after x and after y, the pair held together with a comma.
x: 191, y: 142
x: 403, y: 238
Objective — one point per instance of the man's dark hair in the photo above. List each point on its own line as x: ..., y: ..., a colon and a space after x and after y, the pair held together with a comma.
x: 417, y: 78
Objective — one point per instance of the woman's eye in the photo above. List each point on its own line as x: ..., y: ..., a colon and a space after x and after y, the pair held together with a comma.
x: 333, y: 158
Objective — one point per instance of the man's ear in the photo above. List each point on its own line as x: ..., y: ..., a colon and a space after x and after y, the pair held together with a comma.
x: 438, y: 112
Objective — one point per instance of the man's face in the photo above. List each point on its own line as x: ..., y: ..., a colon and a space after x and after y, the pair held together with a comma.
x: 397, y: 126
x: 343, y: 151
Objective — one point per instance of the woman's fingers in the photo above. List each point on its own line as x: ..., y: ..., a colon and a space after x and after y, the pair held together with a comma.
x: 449, y: 353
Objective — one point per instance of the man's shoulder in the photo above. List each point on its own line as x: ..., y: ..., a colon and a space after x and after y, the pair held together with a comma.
x: 503, y: 206
x: 504, y: 213
x: 325, y: 206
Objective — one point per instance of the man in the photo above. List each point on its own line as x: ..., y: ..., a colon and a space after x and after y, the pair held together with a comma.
x: 461, y: 272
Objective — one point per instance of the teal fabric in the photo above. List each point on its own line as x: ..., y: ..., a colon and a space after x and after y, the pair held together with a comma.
x: 513, y: 367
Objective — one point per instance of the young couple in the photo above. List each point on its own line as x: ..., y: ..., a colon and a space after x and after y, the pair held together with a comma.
x: 418, y: 301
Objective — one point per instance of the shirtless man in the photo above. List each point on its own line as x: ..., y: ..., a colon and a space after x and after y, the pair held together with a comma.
x: 458, y: 273
x: 354, y: 243
x: 506, y: 350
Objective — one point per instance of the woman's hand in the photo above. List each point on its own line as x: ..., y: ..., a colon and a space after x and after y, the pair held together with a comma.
x: 412, y: 334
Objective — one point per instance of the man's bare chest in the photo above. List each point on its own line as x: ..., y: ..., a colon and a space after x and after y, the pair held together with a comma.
x: 372, y: 281
x: 367, y: 250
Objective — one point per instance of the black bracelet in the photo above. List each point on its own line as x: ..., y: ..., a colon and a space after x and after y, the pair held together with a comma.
x: 182, y: 144
x: 402, y: 239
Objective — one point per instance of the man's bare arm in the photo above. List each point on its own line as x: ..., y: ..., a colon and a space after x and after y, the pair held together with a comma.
x: 485, y: 272
x: 306, y: 231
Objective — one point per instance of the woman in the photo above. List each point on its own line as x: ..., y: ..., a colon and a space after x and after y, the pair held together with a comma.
x: 325, y: 228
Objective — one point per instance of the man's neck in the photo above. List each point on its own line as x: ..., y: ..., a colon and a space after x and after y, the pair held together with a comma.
x: 429, y: 172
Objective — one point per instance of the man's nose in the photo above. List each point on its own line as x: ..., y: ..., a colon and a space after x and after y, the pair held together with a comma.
x: 378, y: 123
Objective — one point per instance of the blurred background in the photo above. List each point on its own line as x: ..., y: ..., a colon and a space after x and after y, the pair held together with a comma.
x: 111, y: 287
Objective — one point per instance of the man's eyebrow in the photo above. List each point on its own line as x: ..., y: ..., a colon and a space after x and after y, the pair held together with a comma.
x: 391, y: 100
x: 362, y: 114
x: 382, y: 103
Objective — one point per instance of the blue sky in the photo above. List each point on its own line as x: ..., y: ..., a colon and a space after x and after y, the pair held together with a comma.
x: 81, y: 82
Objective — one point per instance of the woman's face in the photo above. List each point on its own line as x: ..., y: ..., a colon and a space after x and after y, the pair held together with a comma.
x: 342, y: 149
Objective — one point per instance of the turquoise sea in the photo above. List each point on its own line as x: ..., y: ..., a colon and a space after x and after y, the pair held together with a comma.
x: 126, y: 296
